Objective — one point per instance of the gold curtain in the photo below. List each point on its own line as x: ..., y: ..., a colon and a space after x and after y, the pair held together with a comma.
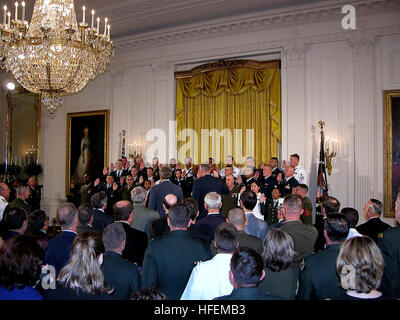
x: 229, y: 102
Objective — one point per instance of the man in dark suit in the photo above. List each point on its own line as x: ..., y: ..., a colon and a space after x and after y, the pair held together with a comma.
x: 158, y: 192
x: 159, y: 227
x: 119, y: 274
x: 247, y: 270
x: 17, y: 222
x: 255, y: 227
x: 111, y: 188
x: 275, y: 168
x: 136, y: 241
x: 119, y: 173
x: 204, y: 185
x: 35, y: 194
x: 329, y: 205
x: 205, y: 228
x: 286, y: 186
x: 169, y: 260
x: 303, y: 236
x: 389, y: 243
x: 38, y: 224
x: 101, y: 219
x: 374, y: 225
x: 318, y: 279
x: 85, y: 216
x: 59, y: 248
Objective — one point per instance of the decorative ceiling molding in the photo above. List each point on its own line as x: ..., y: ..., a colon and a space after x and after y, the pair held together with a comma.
x: 284, y: 46
x: 235, y: 24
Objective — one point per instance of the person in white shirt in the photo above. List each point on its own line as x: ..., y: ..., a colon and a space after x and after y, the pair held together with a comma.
x: 4, y: 195
x: 299, y: 173
x: 229, y: 162
x: 210, y: 279
x: 260, y: 199
x: 352, y: 217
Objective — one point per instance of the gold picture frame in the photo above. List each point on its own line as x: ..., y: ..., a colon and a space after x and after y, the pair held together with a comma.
x: 87, y: 146
x: 391, y: 103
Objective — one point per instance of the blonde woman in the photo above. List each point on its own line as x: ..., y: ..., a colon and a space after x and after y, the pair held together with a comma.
x: 360, y: 269
x: 81, y: 278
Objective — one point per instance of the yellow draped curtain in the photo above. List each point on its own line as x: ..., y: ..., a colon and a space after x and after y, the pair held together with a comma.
x: 231, y: 111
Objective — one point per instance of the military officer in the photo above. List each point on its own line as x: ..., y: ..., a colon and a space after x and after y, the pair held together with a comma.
x: 127, y: 189
x: 271, y: 207
x: 289, y: 183
x: 299, y: 172
x: 230, y: 200
x: 275, y: 168
x: 268, y: 181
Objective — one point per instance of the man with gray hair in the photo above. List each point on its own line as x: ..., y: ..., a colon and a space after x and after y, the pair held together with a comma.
x: 59, y: 248
x: 374, y: 225
x: 205, y: 228
x: 204, y: 185
x: 143, y: 215
x: 4, y: 195
x: 158, y: 192
x: 119, y: 274
x: 20, y: 201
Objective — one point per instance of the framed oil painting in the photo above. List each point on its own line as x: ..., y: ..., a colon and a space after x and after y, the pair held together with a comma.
x: 87, y: 146
x: 391, y: 149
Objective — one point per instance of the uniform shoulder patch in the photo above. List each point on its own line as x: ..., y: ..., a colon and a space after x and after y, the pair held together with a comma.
x: 380, y: 235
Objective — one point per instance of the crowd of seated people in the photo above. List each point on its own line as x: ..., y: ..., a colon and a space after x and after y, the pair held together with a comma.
x: 196, y: 233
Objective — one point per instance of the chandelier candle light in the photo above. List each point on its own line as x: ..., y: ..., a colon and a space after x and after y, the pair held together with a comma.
x: 53, y: 55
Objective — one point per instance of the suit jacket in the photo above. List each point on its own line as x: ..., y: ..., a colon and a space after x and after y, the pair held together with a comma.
x: 143, y: 217
x: 256, y: 227
x: 101, y: 220
x: 136, y: 244
x: 318, y: 278
x: 123, y: 173
x: 205, y: 228
x: 112, y: 196
x: 169, y: 261
x: 245, y: 240
x: 159, y: 228
x: 252, y: 293
x: 304, y: 237
x: 204, y: 185
x: 121, y: 275
x: 268, y: 185
x: 186, y: 189
x: 372, y: 228
x: 59, y: 250
x: 287, y: 186
x: 389, y: 243
x: 158, y: 193
x: 10, y: 234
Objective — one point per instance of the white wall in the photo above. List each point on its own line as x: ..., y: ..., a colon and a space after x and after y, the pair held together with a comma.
x: 327, y: 74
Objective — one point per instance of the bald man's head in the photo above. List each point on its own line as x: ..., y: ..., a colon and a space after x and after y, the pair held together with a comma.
x: 123, y: 210
x: 169, y: 200
x: 238, y: 218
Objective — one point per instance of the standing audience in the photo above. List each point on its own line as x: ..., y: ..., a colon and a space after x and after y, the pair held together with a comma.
x: 280, y: 273
x: 209, y: 279
x: 169, y: 260
x: 122, y: 276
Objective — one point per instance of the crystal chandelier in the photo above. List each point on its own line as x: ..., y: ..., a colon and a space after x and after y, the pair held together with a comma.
x: 53, y: 55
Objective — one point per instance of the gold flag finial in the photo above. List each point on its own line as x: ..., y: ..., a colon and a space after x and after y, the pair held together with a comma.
x: 321, y: 124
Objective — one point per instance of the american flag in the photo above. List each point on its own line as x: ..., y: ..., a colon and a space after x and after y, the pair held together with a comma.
x: 123, y: 144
